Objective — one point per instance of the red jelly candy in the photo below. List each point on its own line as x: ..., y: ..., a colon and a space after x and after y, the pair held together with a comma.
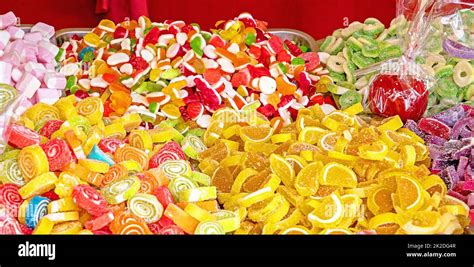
x: 51, y: 195
x: 109, y: 144
x: 26, y: 230
x: 138, y: 63
x: 240, y: 78
x: 217, y: 41
x: 195, y: 110
x: 268, y: 110
x: 171, y: 230
x: 154, y: 227
x: 88, y: 198
x: 20, y: 136
x: 212, y: 76
x: 165, y: 221
x: 248, y: 22
x: 311, y: 60
x: 81, y: 94
x: 100, y: 222
x: 120, y: 32
x: 9, y: 225
x: 169, y: 151
x: 152, y: 36
x: 257, y: 72
x: 164, y: 196
x: 435, y: 127
x: 283, y: 56
x: 10, y: 198
x: 276, y: 44
x: 58, y: 153
x: 284, y: 100
x: 50, y: 127
x: 294, y: 49
x: 264, y: 57
x: 390, y: 96
x: 103, y: 231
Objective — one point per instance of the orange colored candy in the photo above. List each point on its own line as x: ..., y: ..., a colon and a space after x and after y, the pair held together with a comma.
x: 181, y: 218
x: 149, y: 183
x: 126, y: 223
x: 115, y: 172
x: 120, y: 101
x: 131, y: 153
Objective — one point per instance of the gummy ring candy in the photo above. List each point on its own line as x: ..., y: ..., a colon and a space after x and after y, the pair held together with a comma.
x: 145, y: 206
x: 192, y: 146
x: 10, y: 172
x: 180, y: 184
x: 175, y: 168
x: 126, y: 223
x: 89, y: 199
x: 58, y: 153
x: 121, y: 190
x: 36, y: 209
x: 209, y: 228
x: 463, y: 73
x: 115, y: 172
x: 7, y: 95
x: 131, y: 153
x: 10, y: 198
x: 32, y: 162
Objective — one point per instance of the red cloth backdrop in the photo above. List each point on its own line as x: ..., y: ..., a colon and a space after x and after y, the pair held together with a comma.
x: 316, y: 17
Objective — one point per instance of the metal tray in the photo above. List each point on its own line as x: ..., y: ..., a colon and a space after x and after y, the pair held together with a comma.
x: 299, y: 37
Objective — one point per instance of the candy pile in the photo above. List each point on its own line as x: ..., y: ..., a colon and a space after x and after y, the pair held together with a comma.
x: 27, y: 63
x: 177, y: 70
x: 358, y: 46
x: 450, y: 140
x: 79, y: 173
x: 446, y: 61
x: 318, y: 174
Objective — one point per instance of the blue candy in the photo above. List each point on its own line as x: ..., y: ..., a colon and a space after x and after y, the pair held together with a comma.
x: 97, y: 154
x: 37, y: 208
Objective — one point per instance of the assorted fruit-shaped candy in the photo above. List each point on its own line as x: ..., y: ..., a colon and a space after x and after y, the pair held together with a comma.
x: 179, y: 71
x: 329, y: 174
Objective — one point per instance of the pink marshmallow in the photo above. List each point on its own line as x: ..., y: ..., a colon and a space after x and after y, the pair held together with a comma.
x: 37, y: 69
x: 16, y: 74
x: 33, y: 37
x: 54, y: 80
x: 11, y: 57
x: 7, y: 19
x: 4, y: 39
x: 24, y: 105
x: 46, y: 30
x: 18, y: 46
x: 15, y: 33
x: 46, y: 51
x: 5, y: 72
x: 50, y: 66
x: 48, y: 96
x: 28, y: 84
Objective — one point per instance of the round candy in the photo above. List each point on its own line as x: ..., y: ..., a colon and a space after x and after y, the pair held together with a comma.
x: 32, y: 162
x: 148, y: 182
x: 209, y: 228
x: 140, y: 139
x: 9, y: 225
x: 127, y: 153
x: 169, y: 151
x: 10, y: 172
x: 121, y: 190
x: 41, y: 113
x: 50, y: 127
x: 91, y: 108
x: 125, y: 223
x: 58, y: 153
x: 20, y: 136
x: 110, y: 145
x: 7, y: 95
x: 164, y: 195
x: 192, y: 146
x: 100, y: 222
x: 89, y: 199
x: 175, y: 168
x: 115, y: 172
x: 179, y: 185
x: 37, y: 208
x: 146, y: 206
x: 10, y: 198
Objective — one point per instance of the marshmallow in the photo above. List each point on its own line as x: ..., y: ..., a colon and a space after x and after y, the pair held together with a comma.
x: 37, y: 69
x: 7, y: 20
x: 15, y: 33
x: 16, y: 74
x: 46, y: 51
x: 16, y: 46
x: 4, y: 38
x: 5, y: 72
x: 33, y: 37
x: 28, y: 84
x: 48, y: 96
x: 12, y: 58
x: 46, y: 30
x: 54, y: 80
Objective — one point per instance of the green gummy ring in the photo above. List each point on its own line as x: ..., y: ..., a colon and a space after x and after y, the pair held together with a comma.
x: 446, y: 88
x: 390, y: 52
x: 327, y: 43
x: 146, y: 206
x: 334, y: 64
x: 7, y: 95
x: 361, y: 61
x: 337, y: 76
x: 336, y: 47
x: 209, y: 228
x: 175, y: 168
x: 121, y: 190
x: 354, y: 44
x: 201, y: 178
x: 367, y: 40
x: 445, y: 71
x: 10, y: 172
x: 349, y: 98
x: 180, y: 184
x: 372, y: 51
x: 345, y: 84
x: 193, y: 146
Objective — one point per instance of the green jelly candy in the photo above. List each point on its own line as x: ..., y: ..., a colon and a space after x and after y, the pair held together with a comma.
x: 469, y: 93
x: 372, y: 51
x: 282, y: 67
x: 147, y: 87
x: 196, y: 44
x: 345, y: 84
x: 349, y: 98
x: 297, y: 61
x: 354, y: 44
x: 304, y: 48
x: 337, y: 76
x: 250, y: 39
x: 446, y: 88
x: 153, y: 107
x: 170, y: 74
x: 445, y: 71
x: 361, y: 61
x: 392, y: 51
x: 60, y: 56
x: 71, y: 81
x: 327, y: 43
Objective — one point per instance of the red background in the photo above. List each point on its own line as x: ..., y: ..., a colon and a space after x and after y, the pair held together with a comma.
x: 316, y: 17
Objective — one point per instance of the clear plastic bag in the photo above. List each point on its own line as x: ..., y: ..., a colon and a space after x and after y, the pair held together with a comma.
x: 401, y: 86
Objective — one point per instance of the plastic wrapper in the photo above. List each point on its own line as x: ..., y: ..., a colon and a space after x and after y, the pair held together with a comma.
x: 401, y: 86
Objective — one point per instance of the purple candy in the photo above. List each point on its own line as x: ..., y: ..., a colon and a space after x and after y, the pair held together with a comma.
x: 462, y: 165
x: 413, y: 126
x: 432, y: 139
x: 451, y: 116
